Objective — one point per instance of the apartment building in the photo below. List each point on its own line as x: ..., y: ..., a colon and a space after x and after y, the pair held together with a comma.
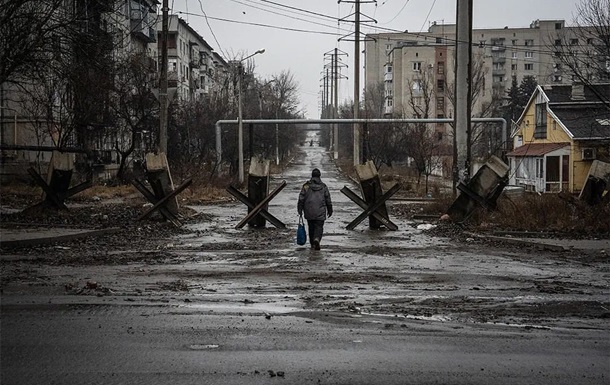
x: 402, y: 59
x: 107, y: 32
x: 194, y: 68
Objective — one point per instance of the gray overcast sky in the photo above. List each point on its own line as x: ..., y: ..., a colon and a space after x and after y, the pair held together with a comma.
x: 303, y: 52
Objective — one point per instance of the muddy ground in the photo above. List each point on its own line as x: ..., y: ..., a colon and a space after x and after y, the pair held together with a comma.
x: 398, y: 284
x: 437, y: 275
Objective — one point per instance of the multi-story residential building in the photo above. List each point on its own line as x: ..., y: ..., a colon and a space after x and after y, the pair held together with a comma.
x: 400, y: 59
x: 418, y: 72
x: 108, y: 32
x: 193, y: 66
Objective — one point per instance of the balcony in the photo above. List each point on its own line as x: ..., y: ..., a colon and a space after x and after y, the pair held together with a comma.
x: 141, y: 30
x: 498, y: 72
x: 388, y: 77
x: 499, y: 59
x: 498, y: 48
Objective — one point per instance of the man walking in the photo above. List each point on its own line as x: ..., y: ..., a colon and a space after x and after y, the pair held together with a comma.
x: 314, y: 201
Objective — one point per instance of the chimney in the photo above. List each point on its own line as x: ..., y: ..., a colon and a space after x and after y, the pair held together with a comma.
x: 578, y: 91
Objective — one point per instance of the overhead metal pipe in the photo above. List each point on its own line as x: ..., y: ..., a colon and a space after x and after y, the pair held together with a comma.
x: 340, y: 121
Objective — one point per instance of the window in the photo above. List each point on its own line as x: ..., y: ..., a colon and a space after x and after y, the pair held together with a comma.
x: 513, y: 67
x: 439, y: 40
x: 540, y: 168
x: 440, y: 85
x: 417, y: 86
x: 514, y: 55
x: 481, y: 43
x: 529, y: 67
x: 440, y: 103
x: 557, y: 78
x: 558, y: 25
x: 416, y: 66
x: 514, y: 41
x: 558, y: 42
x: 529, y: 42
x: 388, y: 47
x: 389, y: 69
x: 590, y: 41
x: 540, y: 130
x: 573, y: 41
x: 529, y: 54
x: 390, y: 103
x: 441, y: 67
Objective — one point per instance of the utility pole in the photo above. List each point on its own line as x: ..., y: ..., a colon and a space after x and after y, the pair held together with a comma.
x: 335, y: 64
x: 463, y: 93
x: 163, y: 81
x: 240, y: 127
x: 357, y: 85
x: 357, y: 21
x: 333, y: 98
x: 323, y: 105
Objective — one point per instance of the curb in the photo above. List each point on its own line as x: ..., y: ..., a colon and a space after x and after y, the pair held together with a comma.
x: 514, y: 241
x: 43, y: 240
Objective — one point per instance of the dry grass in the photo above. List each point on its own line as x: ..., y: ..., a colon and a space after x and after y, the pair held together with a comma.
x: 546, y: 212
x: 107, y: 192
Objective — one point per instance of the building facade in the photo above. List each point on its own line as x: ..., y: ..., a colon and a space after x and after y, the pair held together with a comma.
x: 562, y: 131
x: 83, y: 66
x: 499, y: 54
x: 194, y: 68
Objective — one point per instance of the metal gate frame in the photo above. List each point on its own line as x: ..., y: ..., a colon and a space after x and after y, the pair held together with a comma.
x: 335, y: 121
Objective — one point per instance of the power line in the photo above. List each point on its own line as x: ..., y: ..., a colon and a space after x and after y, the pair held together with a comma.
x: 282, y: 14
x: 529, y: 48
x: 262, y: 25
x: 399, y: 12
x: 211, y: 30
x: 299, y: 9
x: 427, y: 16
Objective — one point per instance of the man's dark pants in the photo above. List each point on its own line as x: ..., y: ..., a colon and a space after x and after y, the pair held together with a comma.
x: 316, y: 228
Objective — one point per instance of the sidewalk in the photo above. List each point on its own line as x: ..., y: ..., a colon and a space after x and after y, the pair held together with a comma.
x: 601, y: 245
x: 34, y: 236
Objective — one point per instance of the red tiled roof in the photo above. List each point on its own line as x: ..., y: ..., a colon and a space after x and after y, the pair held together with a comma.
x: 536, y: 149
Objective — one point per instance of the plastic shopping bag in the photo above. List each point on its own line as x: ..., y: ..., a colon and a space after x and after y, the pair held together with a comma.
x: 301, y: 233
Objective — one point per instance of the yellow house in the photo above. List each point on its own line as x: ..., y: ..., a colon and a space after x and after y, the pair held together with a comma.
x: 562, y: 130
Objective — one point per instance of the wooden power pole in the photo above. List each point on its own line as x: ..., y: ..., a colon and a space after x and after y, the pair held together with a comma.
x: 357, y: 20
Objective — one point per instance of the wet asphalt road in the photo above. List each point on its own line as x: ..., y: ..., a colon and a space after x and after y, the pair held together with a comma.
x: 246, y: 314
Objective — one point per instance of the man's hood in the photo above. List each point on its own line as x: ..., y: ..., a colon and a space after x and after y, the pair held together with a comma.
x: 315, y: 183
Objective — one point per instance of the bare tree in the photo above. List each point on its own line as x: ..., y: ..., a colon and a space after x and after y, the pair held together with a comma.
x: 385, y: 143
x: 478, y: 132
x: 585, y: 48
x: 29, y: 29
x: 134, y: 107
x: 424, y: 144
x: 57, y: 61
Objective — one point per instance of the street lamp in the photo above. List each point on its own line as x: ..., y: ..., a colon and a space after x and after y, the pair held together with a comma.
x: 240, y: 129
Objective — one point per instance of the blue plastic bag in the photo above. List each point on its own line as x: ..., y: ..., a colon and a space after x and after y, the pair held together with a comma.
x: 301, y: 233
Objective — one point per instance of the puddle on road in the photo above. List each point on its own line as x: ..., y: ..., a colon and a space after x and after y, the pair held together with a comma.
x: 203, y: 347
x: 283, y: 307
x: 433, y: 318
